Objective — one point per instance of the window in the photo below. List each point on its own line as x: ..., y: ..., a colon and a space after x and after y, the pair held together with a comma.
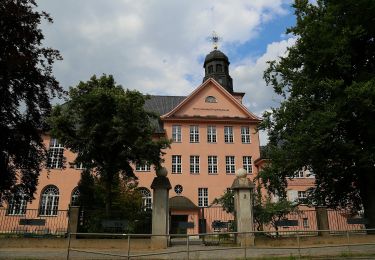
x: 79, y: 166
x: 194, y: 164
x: 194, y: 134
x: 247, y: 165
x: 146, y: 198
x: 202, y: 197
x: 176, y: 133
x: 228, y: 134
x: 176, y: 163
x: 219, y: 68
x: 55, y: 155
x: 245, y: 135
x: 210, y: 69
x: 299, y: 174
x: 210, y: 99
x: 305, y: 222
x: 302, y: 195
x: 75, y: 196
x: 49, y: 201
x: 145, y: 167
x: 229, y: 164
x: 178, y: 189
x: 17, y: 203
x: 212, y: 164
x: 211, y: 134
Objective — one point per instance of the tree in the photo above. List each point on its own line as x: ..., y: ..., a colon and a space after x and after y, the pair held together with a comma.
x: 326, y: 120
x: 108, y: 128
x: 26, y: 88
x: 265, y: 211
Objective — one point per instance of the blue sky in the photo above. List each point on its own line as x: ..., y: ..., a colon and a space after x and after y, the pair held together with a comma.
x: 158, y: 46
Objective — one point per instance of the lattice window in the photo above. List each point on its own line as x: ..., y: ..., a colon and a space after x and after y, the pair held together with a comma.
x: 176, y: 164
x: 176, y: 133
x: 202, y: 197
x: 212, y: 164
x: 49, y: 201
x: 17, y: 203
x: 247, y: 165
x: 229, y: 164
x: 228, y: 134
x: 75, y: 197
x: 211, y: 134
x: 55, y: 155
x: 194, y: 134
x: 146, y: 198
x: 245, y: 135
x: 145, y: 167
x: 194, y: 164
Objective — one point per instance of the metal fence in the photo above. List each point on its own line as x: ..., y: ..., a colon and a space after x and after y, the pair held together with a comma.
x: 30, y: 223
x: 259, y: 244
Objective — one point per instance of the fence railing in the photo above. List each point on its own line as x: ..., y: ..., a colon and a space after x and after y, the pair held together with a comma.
x: 30, y: 222
x: 297, y: 245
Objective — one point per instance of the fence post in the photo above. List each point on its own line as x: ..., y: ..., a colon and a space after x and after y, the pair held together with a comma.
x: 299, y: 245
x: 128, y: 246
x: 187, y: 246
x: 67, y: 255
x: 73, y: 220
x: 322, y: 221
x: 348, y: 240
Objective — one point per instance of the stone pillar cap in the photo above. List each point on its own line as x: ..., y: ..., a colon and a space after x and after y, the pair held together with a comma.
x: 161, y: 182
x: 242, y: 183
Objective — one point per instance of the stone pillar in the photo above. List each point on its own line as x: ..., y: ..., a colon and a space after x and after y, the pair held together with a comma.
x: 322, y: 220
x: 243, y: 205
x: 73, y: 220
x: 160, y: 209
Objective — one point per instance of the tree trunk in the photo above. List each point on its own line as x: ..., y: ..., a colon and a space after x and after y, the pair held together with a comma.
x: 367, y: 191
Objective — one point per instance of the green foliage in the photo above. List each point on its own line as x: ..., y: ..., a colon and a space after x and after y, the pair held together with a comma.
x: 264, y: 211
x: 26, y: 87
x: 108, y: 128
x: 326, y: 120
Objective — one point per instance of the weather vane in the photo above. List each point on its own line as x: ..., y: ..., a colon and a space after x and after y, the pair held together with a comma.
x: 215, y: 39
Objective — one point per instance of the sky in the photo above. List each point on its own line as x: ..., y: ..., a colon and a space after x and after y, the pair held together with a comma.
x: 158, y: 46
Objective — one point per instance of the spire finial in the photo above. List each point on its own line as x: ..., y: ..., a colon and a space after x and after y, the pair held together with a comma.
x: 215, y: 40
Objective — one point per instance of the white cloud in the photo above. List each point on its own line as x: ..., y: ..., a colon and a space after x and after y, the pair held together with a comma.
x: 157, y: 46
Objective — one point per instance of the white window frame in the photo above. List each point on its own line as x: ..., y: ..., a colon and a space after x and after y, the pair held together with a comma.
x: 212, y: 164
x: 176, y: 133
x: 202, y: 197
x: 176, y: 164
x: 247, y: 164
x: 245, y: 135
x: 211, y: 134
x: 146, y: 198
x: 75, y: 196
x: 145, y: 167
x: 194, y: 134
x: 228, y: 134
x: 300, y: 174
x: 194, y: 164
x: 302, y: 194
x: 49, y: 201
x: 230, y: 164
x: 17, y: 203
x: 55, y: 154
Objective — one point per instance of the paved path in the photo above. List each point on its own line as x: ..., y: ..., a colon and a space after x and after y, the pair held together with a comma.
x: 179, y: 252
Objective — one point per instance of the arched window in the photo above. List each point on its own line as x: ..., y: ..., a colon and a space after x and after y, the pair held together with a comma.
x: 17, y: 203
x: 210, y: 69
x: 210, y: 99
x: 49, y: 201
x: 146, y: 198
x: 219, y: 68
x: 75, y: 197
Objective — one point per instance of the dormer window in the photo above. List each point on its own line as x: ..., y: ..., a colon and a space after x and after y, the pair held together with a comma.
x: 210, y: 99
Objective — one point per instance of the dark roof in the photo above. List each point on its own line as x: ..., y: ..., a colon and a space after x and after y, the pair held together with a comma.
x: 161, y: 105
x: 181, y: 203
x: 215, y: 55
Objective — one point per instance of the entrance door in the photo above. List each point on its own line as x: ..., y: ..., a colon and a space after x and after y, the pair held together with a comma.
x: 179, y: 224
